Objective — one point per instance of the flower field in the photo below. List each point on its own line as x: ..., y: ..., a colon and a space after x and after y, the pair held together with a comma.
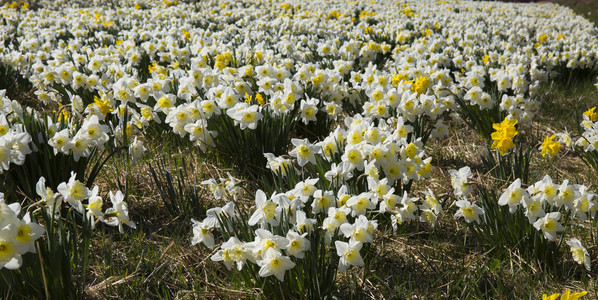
x: 298, y: 149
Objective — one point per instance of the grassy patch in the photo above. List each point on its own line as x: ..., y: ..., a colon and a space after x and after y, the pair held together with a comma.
x: 585, y: 8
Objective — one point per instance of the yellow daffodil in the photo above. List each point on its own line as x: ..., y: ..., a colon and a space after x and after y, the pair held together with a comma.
x: 503, y: 136
x: 550, y: 146
x: 591, y: 114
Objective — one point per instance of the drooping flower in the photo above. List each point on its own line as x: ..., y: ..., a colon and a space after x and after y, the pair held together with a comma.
x: 349, y: 254
x: 202, y: 234
x: 118, y: 214
x: 580, y: 253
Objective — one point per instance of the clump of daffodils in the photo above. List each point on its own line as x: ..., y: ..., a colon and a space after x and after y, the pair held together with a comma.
x: 544, y: 204
x: 543, y: 201
x: 389, y: 83
x: 588, y: 141
x: 328, y: 207
x: 18, y: 235
x: 462, y: 188
x: 86, y: 202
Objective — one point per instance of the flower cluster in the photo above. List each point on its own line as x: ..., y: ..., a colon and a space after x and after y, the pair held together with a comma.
x: 543, y: 203
x: 589, y: 139
x: 75, y: 193
x: 545, y: 194
x: 385, y: 76
x: 345, y: 220
x: 462, y: 189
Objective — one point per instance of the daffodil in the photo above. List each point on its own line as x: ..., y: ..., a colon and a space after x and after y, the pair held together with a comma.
x: 567, y: 295
x: 266, y: 211
x: 580, y: 253
x: 232, y: 252
x: 9, y: 256
x: 549, y: 225
x: 459, y: 181
x: 74, y: 192
x: 118, y: 214
x: 550, y: 146
x: 503, y: 136
x: 349, y: 254
x: 298, y: 244
x: 202, y: 234
x: 470, y: 212
x: 274, y: 263
x: 304, y: 151
x: 591, y: 114
x: 513, y: 196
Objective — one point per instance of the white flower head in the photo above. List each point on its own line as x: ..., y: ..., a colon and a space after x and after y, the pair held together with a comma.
x: 349, y: 254
x: 549, y: 225
x: 470, y: 212
x: 118, y: 214
x: 274, y: 263
x: 580, y: 253
x: 202, y: 234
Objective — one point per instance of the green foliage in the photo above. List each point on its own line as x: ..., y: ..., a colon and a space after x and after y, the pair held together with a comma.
x: 503, y: 231
x: 14, y: 84
x: 245, y: 148
x: 178, y: 188
x: 480, y: 120
x: 514, y: 164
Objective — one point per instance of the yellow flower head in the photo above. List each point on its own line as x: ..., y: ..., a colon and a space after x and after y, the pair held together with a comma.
x: 543, y: 37
x: 397, y: 78
x: 259, y: 99
x: 420, y: 85
x: 503, y: 136
x: 591, y: 114
x: 63, y: 113
x: 152, y: 67
x: 104, y: 105
x: 486, y: 59
x: 567, y: 295
x: 550, y: 146
x: 186, y: 34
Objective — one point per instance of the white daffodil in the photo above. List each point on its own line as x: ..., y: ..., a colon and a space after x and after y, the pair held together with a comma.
x: 266, y: 211
x: 470, y: 212
x: 74, y: 192
x: 549, y: 225
x: 118, y: 214
x: 202, y: 234
x: 349, y: 254
x: 274, y: 263
x: 580, y: 253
